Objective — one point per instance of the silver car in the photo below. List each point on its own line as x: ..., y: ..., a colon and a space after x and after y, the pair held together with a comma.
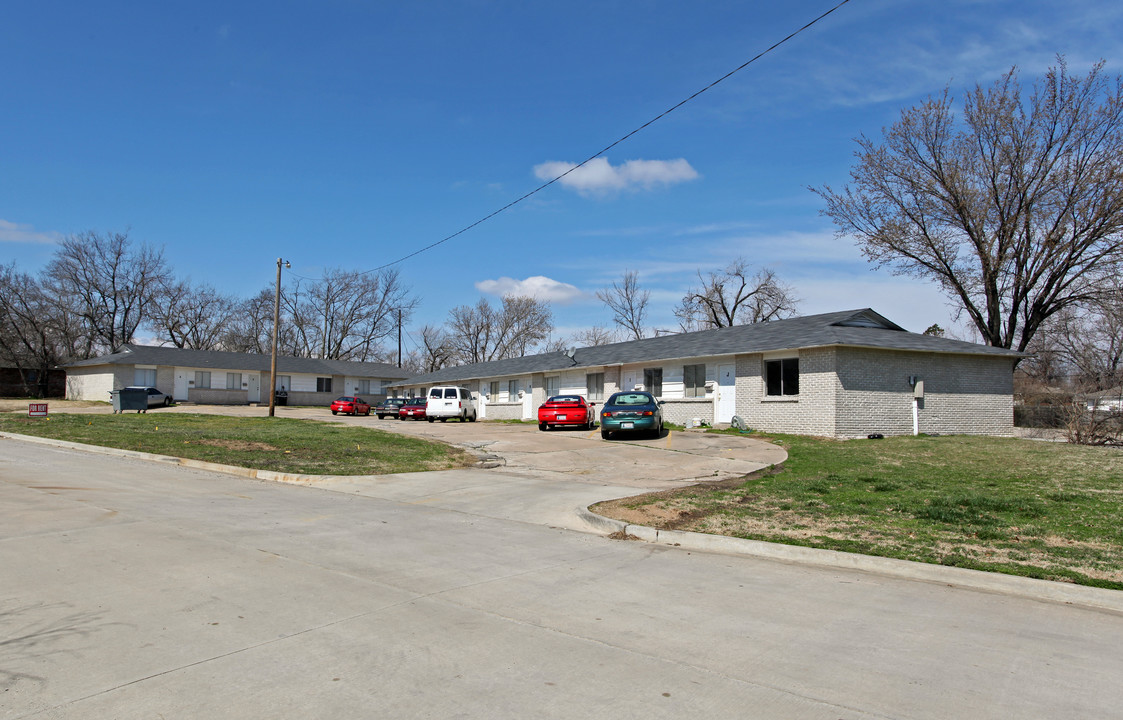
x: 155, y: 397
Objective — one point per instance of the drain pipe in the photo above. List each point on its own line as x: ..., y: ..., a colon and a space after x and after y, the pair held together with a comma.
x: 917, y: 398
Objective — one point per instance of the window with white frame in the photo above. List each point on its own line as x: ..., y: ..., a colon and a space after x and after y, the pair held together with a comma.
x: 781, y: 377
x: 512, y: 390
x: 202, y: 379
x: 362, y: 387
x: 233, y: 381
x: 284, y: 382
x: 694, y: 380
x: 145, y: 377
x: 653, y: 381
x: 553, y: 383
x: 594, y: 387
x: 493, y: 391
x: 323, y: 384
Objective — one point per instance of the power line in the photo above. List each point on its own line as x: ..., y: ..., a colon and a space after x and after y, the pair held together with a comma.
x: 594, y: 156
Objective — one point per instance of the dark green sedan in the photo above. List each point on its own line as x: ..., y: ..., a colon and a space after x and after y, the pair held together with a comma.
x: 635, y: 411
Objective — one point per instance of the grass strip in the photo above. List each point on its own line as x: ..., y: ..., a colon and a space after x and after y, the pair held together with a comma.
x: 1043, y: 510
x: 280, y: 444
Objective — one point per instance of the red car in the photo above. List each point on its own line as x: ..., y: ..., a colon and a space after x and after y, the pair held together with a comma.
x: 350, y: 406
x: 566, y: 410
x: 414, y: 409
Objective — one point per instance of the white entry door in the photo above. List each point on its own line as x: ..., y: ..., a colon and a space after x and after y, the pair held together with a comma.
x: 179, y: 392
x: 254, y: 393
x: 726, y: 393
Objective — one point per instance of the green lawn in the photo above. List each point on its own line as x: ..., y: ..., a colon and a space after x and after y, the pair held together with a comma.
x: 1038, y: 509
x: 283, y: 445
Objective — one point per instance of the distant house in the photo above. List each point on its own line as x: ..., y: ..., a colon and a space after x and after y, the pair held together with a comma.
x: 842, y: 374
x: 225, y: 378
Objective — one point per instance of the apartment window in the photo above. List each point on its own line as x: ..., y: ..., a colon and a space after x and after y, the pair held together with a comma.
x: 145, y: 377
x: 781, y: 377
x: 552, y: 385
x: 284, y: 382
x: 694, y: 380
x: 323, y: 384
x: 494, y: 393
x: 512, y: 390
x: 653, y: 381
x: 202, y: 378
x: 594, y: 387
x: 233, y: 381
x: 362, y: 387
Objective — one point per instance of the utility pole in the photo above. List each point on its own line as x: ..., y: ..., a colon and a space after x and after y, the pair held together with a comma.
x: 399, y: 337
x: 276, y: 321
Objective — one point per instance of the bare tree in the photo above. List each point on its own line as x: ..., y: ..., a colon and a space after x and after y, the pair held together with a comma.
x: 108, y: 283
x: 195, y: 317
x: 734, y: 297
x: 1016, y: 209
x: 482, y: 333
x: 33, y: 339
x: 594, y: 336
x: 346, y: 315
x: 1089, y: 340
x: 434, y: 352
x: 628, y: 304
x: 251, y: 326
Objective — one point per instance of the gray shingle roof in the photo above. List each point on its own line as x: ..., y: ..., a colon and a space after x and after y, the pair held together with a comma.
x: 855, y: 328
x: 152, y: 355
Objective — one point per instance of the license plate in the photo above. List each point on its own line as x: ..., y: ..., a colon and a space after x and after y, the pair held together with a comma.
x: 626, y: 426
x: 561, y: 417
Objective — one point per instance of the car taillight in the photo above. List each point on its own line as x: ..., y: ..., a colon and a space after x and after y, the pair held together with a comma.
x: 647, y: 412
x: 607, y: 414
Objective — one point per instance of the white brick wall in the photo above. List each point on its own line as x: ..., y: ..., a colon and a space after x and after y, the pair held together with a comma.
x: 852, y: 392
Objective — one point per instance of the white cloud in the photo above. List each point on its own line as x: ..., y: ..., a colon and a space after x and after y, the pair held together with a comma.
x: 11, y: 232
x: 538, y: 286
x: 600, y: 177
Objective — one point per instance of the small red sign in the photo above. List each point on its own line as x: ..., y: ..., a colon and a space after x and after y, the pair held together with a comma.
x: 37, y: 410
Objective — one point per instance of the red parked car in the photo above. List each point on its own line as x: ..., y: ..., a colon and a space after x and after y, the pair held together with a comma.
x: 414, y: 409
x: 566, y: 410
x: 350, y: 406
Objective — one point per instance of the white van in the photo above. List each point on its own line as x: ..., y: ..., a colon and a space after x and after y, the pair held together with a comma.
x: 447, y: 401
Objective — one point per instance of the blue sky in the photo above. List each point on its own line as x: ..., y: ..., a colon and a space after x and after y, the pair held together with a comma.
x: 349, y: 134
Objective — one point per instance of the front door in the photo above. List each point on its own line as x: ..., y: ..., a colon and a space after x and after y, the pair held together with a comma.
x: 254, y: 394
x: 179, y: 392
x: 726, y: 393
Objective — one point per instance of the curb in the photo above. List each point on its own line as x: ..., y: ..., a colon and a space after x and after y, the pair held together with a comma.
x: 1033, y: 588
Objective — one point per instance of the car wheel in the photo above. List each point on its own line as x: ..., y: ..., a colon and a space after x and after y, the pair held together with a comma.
x: 167, y: 402
x: 473, y: 418
x: 543, y: 427
x: 429, y: 419
x: 604, y: 434
x: 334, y: 412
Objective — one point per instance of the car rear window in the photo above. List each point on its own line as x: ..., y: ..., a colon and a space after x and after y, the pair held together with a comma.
x: 450, y: 392
x: 633, y: 399
x: 565, y: 399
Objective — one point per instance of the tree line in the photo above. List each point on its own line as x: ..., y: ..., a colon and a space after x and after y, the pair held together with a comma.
x: 102, y: 290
